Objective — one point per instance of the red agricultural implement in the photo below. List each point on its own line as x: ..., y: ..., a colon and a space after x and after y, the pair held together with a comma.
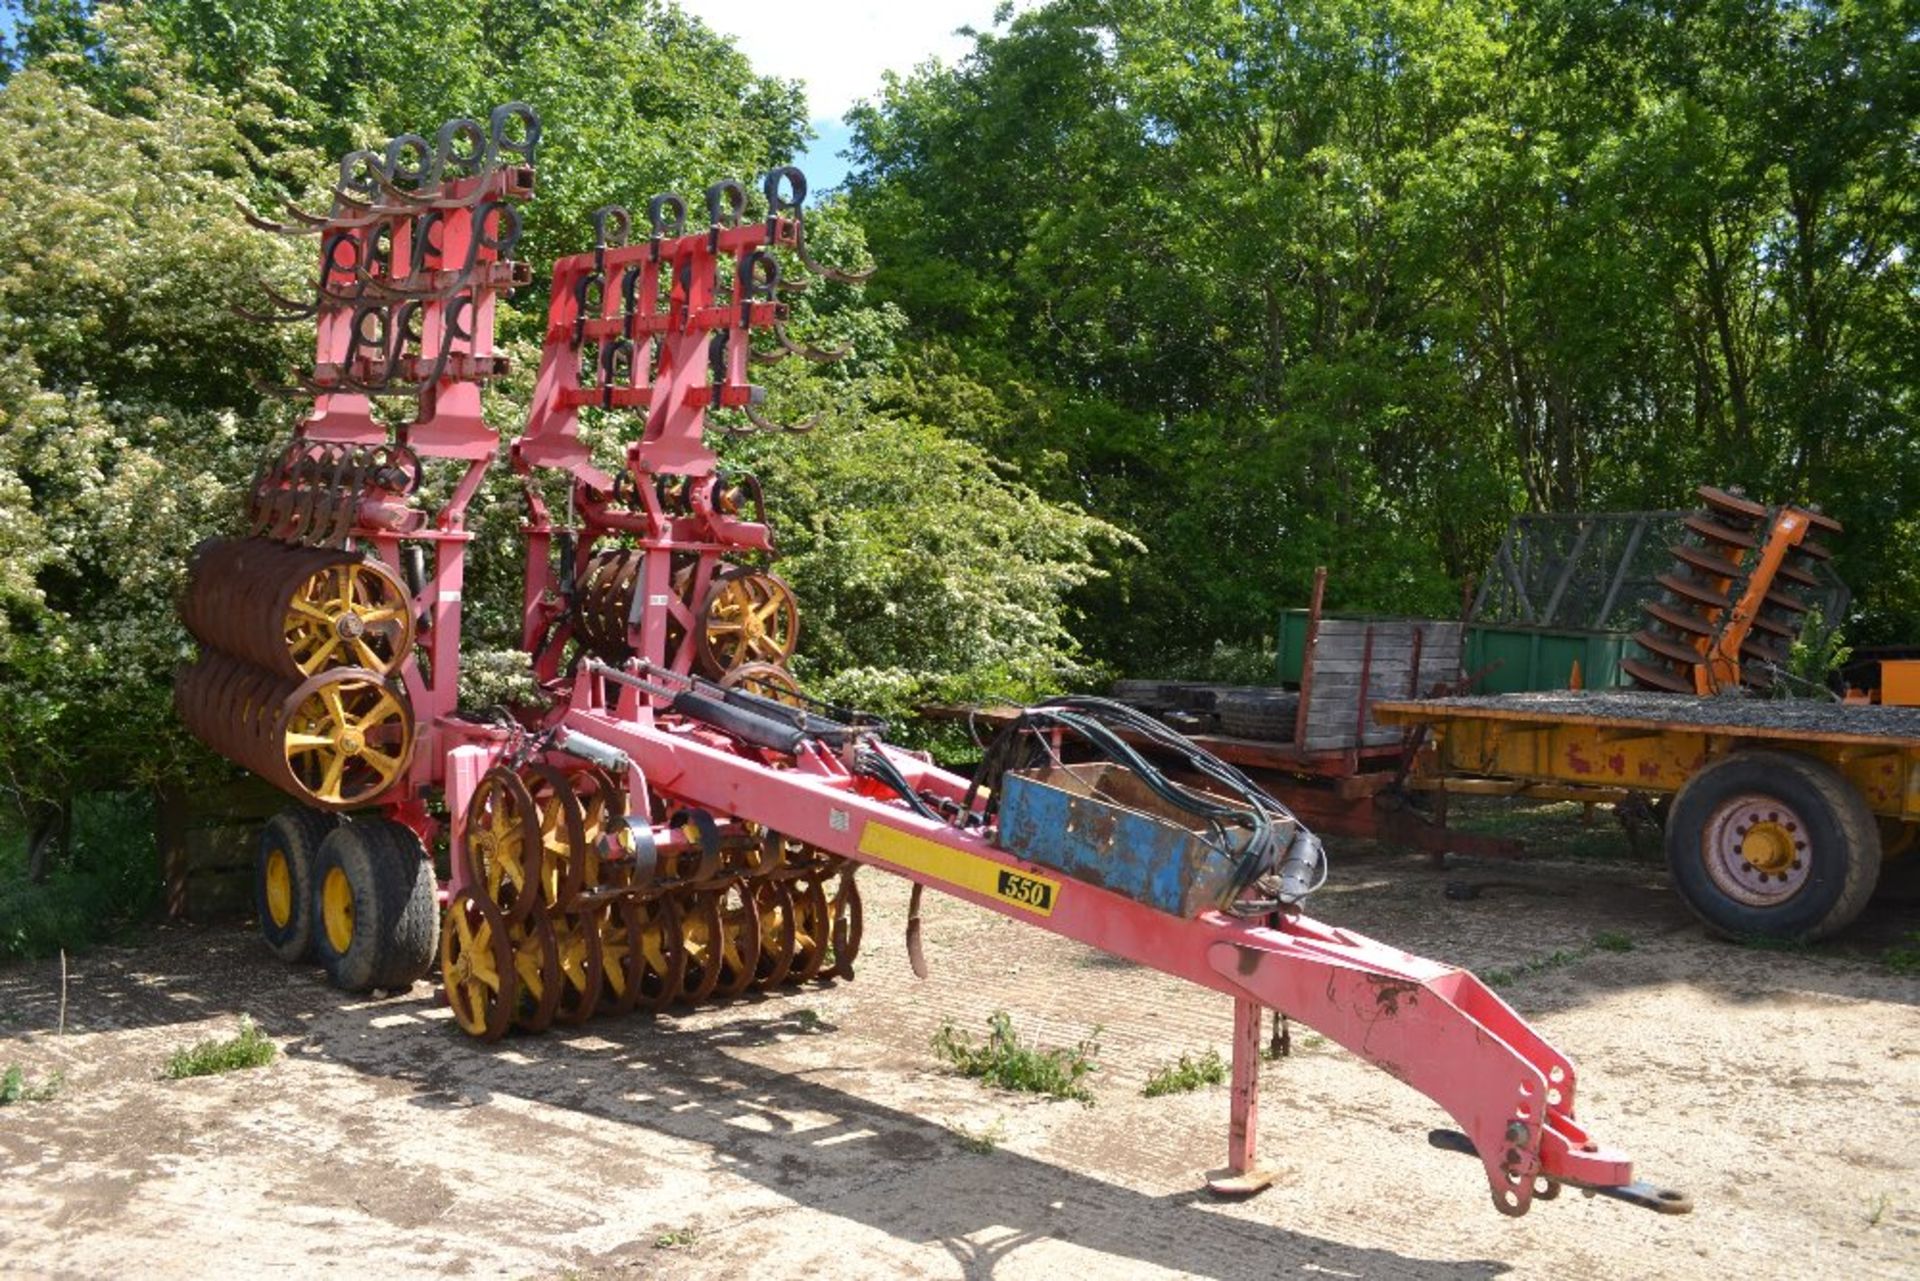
x: 674, y: 821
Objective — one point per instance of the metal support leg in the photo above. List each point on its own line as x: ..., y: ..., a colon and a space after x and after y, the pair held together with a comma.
x: 1242, y: 1177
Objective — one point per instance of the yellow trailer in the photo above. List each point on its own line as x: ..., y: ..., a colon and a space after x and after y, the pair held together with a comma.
x: 1778, y: 813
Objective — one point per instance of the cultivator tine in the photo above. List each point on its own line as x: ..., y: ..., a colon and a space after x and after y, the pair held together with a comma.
x: 764, y: 424
x: 836, y: 274
x: 806, y: 351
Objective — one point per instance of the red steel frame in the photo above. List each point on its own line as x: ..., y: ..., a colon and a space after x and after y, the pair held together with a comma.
x: 640, y: 320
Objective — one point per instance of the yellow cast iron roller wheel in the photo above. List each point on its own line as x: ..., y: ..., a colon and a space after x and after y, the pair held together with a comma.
x: 503, y: 846
x: 348, y: 737
x: 476, y: 967
x: 749, y: 617
x: 351, y: 614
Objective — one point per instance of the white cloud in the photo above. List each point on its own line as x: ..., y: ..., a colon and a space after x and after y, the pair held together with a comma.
x: 840, y: 48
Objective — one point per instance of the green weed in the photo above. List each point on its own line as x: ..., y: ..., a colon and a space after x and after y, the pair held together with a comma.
x: 1186, y: 1076
x: 678, y: 1239
x: 1904, y: 957
x: 14, y: 1087
x: 1558, y: 959
x: 981, y: 1142
x: 1004, y: 1062
x: 251, y: 1048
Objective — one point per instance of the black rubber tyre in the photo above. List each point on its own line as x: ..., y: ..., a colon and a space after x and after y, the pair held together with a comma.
x: 375, y: 911
x: 1808, y: 811
x: 283, y: 879
x: 1263, y: 714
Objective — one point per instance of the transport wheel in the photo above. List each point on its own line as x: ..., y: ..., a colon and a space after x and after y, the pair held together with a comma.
x: 283, y: 867
x: 476, y: 967
x: 1772, y: 844
x: 374, y: 906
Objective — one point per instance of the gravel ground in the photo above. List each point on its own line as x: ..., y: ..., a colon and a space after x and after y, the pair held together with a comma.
x: 815, y: 1133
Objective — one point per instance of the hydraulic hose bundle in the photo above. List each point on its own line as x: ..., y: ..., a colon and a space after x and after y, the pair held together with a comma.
x: 1269, y: 848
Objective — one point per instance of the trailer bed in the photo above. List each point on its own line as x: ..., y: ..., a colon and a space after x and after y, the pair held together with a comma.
x: 1795, y: 719
x: 1606, y: 743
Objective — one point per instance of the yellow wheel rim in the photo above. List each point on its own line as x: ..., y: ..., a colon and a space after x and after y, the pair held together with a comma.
x: 349, y: 740
x: 471, y: 970
x: 279, y: 888
x: 752, y: 618
x: 352, y: 614
x: 336, y: 909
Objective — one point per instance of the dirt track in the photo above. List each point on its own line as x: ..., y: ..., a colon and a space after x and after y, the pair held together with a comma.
x: 812, y: 1135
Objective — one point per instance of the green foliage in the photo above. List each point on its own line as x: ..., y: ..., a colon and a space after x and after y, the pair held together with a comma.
x: 109, y: 879
x: 1613, y: 941
x: 1004, y: 1062
x: 1904, y: 957
x: 1816, y: 654
x: 248, y: 1048
x: 1186, y: 1075
x: 1272, y: 285
x: 15, y: 1088
x: 981, y: 1142
x: 925, y: 573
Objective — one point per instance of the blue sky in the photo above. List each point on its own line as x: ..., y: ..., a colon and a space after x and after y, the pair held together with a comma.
x: 839, y: 49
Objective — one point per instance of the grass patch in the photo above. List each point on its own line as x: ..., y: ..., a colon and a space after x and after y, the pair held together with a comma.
x: 981, y: 1142
x: 1558, y: 959
x: 15, y: 1088
x: 1551, y: 829
x: 1002, y: 1061
x: 1904, y: 957
x: 1187, y: 1075
x: 678, y: 1239
x: 249, y: 1049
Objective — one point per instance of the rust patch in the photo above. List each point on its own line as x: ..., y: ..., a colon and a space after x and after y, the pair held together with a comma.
x: 1576, y: 762
x: 1617, y: 764
x: 1649, y: 769
x: 1389, y: 992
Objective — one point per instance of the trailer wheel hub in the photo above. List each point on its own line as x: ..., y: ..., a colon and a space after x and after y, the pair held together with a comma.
x: 1757, y: 851
x: 1768, y: 847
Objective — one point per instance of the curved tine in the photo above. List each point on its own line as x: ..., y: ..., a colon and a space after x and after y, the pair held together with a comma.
x: 270, y: 318
x: 808, y: 351
x: 310, y: 224
x: 267, y: 224
x: 435, y: 200
x: 280, y: 300
x: 835, y: 274
x: 767, y: 357
x: 391, y: 293
x: 266, y: 388
x: 793, y: 285
x: 753, y: 416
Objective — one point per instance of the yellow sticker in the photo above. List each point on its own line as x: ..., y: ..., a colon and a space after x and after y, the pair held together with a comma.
x: 931, y: 859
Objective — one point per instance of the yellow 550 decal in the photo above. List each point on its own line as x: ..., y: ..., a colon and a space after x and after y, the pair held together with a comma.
x: 1029, y: 893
